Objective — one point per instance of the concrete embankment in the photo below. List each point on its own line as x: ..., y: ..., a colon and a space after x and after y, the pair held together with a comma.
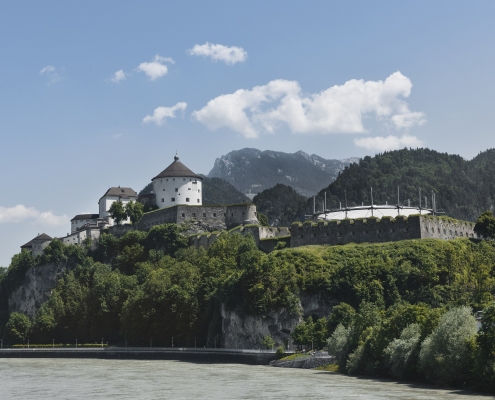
x: 213, y: 356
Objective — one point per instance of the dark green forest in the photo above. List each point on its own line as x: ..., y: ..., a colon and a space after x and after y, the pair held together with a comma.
x: 281, y: 204
x: 463, y: 188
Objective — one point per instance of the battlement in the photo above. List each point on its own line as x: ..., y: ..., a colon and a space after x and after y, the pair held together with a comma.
x: 374, y: 230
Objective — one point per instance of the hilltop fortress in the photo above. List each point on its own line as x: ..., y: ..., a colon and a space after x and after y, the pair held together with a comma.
x: 177, y: 197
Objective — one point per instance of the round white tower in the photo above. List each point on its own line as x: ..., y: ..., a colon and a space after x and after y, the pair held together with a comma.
x: 177, y: 184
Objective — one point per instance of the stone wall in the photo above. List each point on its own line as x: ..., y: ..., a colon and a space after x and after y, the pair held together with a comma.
x: 378, y: 230
x: 78, y: 238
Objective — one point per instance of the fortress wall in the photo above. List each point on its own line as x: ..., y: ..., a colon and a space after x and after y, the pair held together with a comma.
x: 120, y: 230
x: 240, y: 214
x: 77, y: 238
x: 213, y: 215
x: 157, y: 217
x: 441, y: 228
x: 376, y: 231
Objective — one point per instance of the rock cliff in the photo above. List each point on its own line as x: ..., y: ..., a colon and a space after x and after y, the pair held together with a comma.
x: 38, y: 283
x: 248, y: 331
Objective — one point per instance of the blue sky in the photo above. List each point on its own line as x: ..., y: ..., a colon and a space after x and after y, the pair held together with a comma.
x: 337, y: 79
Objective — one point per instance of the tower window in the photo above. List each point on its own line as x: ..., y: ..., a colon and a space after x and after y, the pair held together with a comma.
x: 173, y: 179
x: 187, y: 199
x: 198, y: 200
x: 176, y: 189
x: 204, y: 215
x: 172, y: 199
x: 199, y: 190
x: 188, y: 188
x: 163, y: 200
x: 183, y: 179
x: 163, y: 189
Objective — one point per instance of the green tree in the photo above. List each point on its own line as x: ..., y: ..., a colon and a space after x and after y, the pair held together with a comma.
x: 444, y: 353
x: 263, y: 220
x: 18, y: 327
x: 167, y: 238
x: 117, y: 212
x: 134, y: 211
x: 268, y: 342
x: 343, y: 314
x: 485, y: 225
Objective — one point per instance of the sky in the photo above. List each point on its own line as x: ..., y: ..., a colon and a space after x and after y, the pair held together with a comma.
x: 98, y: 94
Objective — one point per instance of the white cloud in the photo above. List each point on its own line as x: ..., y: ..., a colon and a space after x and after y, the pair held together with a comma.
x: 338, y: 109
x: 53, y: 75
x: 155, y: 69
x: 47, y: 69
x: 380, y: 143
x: 21, y: 213
x: 118, y: 76
x: 116, y: 135
x: 230, y: 55
x: 162, y: 113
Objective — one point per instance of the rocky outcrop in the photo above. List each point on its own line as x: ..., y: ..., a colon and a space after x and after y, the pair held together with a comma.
x: 248, y: 331
x: 36, y: 288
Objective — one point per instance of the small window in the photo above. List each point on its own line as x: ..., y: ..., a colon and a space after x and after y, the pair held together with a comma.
x: 163, y: 189
x: 231, y: 214
x: 172, y: 199
x: 176, y: 189
x: 242, y: 214
x: 198, y: 200
x: 188, y: 188
x: 173, y: 179
x: 199, y: 190
x: 167, y: 180
x: 183, y: 179
x: 163, y: 200
x: 194, y: 215
x: 214, y: 214
x: 183, y: 215
x: 187, y: 199
x: 204, y: 215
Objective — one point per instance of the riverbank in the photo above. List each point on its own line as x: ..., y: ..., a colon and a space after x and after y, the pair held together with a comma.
x: 213, y: 356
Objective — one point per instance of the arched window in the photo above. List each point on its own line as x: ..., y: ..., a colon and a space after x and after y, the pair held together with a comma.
x: 172, y: 199
x: 187, y: 199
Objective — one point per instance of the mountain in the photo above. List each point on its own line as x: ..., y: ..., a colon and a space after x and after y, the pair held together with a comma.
x: 463, y: 188
x: 215, y: 191
x: 281, y: 204
x: 252, y: 171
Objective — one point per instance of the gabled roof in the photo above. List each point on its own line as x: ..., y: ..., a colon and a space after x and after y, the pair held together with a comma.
x: 122, y: 192
x: 43, y: 237
x: 177, y: 169
x: 85, y: 216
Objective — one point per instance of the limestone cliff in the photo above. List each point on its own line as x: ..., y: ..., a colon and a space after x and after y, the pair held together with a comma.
x: 36, y: 288
x: 248, y: 331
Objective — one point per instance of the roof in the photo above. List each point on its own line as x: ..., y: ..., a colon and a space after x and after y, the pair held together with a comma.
x: 378, y: 211
x: 121, y: 192
x: 42, y: 237
x: 177, y: 169
x: 85, y: 216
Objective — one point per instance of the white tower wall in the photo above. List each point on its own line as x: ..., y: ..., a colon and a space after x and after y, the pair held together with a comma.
x: 178, y: 190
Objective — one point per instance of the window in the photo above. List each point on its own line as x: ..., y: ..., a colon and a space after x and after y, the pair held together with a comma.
x: 187, y: 199
x: 173, y: 179
x: 183, y: 179
x: 176, y: 189
x: 163, y: 189
x: 198, y: 200
x: 194, y: 215
x: 188, y: 188
x: 163, y: 200
x: 167, y: 180
x: 204, y: 215
x: 172, y: 199
x: 183, y: 215
x: 242, y: 214
x: 199, y: 190
x: 214, y: 214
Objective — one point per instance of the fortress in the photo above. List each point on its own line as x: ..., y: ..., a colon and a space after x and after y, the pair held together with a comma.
x: 177, y: 198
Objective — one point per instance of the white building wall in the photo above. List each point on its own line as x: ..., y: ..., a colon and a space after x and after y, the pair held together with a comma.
x: 75, y: 225
x: 179, y: 190
x: 104, y: 205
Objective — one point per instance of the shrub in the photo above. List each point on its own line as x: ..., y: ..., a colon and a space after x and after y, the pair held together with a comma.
x: 400, y: 352
x: 280, y: 352
x: 337, y: 342
x: 444, y: 353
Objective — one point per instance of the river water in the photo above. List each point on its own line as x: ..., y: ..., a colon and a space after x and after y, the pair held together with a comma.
x: 130, y: 379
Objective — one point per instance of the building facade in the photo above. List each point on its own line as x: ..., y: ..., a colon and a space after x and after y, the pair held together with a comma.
x: 124, y: 195
x: 177, y: 185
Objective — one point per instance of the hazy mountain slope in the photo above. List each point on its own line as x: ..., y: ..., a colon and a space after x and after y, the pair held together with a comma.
x: 252, y: 171
x: 463, y: 188
x: 281, y: 204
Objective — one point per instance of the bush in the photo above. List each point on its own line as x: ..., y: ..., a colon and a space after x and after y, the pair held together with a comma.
x: 400, y: 352
x: 337, y: 342
x: 444, y: 353
x: 280, y: 353
x: 268, y: 342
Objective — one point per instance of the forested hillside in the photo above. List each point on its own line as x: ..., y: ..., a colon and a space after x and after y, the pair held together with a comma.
x: 281, y: 204
x: 463, y: 188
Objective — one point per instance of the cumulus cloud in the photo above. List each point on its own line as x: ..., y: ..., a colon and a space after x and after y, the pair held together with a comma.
x: 52, y: 74
x: 118, y: 76
x: 380, y: 143
x: 156, y: 68
x: 162, y: 113
x: 20, y: 213
x: 219, y: 52
x: 338, y: 109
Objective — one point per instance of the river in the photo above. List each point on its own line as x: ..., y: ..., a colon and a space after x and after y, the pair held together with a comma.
x: 124, y: 379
